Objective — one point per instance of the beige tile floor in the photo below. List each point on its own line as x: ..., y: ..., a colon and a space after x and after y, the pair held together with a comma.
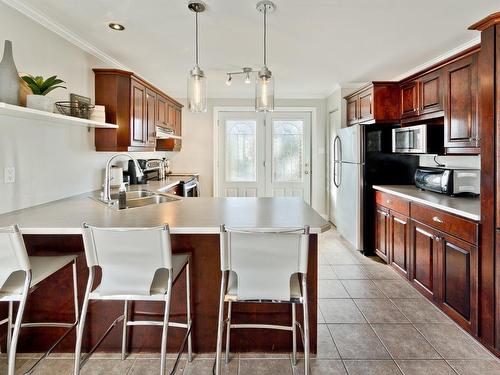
x: 370, y: 322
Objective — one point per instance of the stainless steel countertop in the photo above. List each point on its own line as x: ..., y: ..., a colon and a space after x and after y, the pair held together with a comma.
x: 467, y: 207
x: 187, y: 216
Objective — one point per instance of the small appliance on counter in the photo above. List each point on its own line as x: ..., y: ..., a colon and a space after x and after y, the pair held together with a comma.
x: 418, y: 139
x: 450, y: 181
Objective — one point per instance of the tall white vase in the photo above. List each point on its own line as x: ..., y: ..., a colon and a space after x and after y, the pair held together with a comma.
x: 9, y: 77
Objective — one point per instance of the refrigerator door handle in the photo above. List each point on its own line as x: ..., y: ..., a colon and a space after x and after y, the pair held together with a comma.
x: 337, y: 163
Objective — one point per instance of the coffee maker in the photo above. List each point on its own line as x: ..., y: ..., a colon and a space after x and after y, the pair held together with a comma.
x: 133, y: 179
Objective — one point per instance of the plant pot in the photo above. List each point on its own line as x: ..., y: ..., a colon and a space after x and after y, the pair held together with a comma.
x: 9, y: 78
x: 40, y: 102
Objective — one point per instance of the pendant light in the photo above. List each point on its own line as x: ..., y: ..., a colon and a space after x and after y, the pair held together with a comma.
x: 264, y: 85
x: 197, y: 82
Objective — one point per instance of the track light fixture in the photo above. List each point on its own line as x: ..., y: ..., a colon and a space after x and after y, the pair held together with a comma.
x: 264, y: 84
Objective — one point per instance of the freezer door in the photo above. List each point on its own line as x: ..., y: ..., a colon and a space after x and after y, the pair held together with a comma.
x: 349, y: 212
x: 351, y: 144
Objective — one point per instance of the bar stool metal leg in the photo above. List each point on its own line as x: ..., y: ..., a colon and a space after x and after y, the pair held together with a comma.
x: 124, y: 331
x: 305, y: 306
x: 81, y: 324
x: 9, y: 326
x: 220, y: 326
x: 294, y: 335
x: 188, y: 312
x: 165, y: 327
x: 17, y: 325
x: 228, y: 330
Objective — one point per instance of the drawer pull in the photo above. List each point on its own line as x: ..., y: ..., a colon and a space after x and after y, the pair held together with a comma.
x: 437, y: 219
x: 389, y: 201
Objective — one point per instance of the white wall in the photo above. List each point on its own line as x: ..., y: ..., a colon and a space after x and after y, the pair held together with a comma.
x: 197, y: 145
x: 51, y: 161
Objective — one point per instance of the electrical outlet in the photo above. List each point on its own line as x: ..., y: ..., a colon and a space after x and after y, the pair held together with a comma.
x: 9, y: 175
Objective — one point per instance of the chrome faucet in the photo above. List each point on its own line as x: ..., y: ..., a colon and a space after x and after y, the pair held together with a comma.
x: 106, y: 196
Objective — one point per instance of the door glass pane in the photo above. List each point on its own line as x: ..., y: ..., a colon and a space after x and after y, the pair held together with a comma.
x: 241, y: 150
x: 287, y: 150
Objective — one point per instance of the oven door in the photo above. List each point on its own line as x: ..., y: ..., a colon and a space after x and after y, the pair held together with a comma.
x: 411, y: 140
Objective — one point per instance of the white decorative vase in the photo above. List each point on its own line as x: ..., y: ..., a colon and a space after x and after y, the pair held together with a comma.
x: 40, y: 102
x: 9, y: 78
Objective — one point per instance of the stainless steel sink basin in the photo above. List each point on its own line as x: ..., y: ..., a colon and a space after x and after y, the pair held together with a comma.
x: 134, y: 194
x: 139, y: 198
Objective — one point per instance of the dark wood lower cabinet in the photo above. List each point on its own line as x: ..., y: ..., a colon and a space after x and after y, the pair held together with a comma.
x: 382, y: 232
x: 435, y: 250
x: 399, y: 242
x: 424, y: 260
x: 459, y: 281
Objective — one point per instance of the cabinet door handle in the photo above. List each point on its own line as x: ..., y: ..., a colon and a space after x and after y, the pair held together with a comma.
x: 438, y: 238
x: 437, y: 219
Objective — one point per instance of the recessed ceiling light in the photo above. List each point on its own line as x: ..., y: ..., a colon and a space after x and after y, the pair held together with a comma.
x: 116, y: 26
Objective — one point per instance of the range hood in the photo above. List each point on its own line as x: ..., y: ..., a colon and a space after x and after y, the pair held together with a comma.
x: 166, y: 133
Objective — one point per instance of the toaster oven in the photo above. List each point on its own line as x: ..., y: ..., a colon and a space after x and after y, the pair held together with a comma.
x: 450, y: 181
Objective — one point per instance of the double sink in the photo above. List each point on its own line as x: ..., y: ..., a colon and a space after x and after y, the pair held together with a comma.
x: 139, y: 198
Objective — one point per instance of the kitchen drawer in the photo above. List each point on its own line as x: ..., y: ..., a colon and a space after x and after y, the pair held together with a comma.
x: 392, y: 202
x: 456, y: 226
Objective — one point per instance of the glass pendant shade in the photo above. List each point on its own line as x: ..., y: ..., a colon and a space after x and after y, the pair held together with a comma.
x: 264, y: 93
x: 197, y: 92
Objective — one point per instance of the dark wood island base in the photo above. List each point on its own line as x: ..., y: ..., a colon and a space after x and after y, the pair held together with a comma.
x: 54, y: 302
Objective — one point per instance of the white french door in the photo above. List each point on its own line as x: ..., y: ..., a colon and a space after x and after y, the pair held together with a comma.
x: 264, y: 155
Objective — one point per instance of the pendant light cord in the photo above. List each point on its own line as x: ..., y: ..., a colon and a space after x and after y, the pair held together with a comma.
x: 196, y: 39
x: 265, y: 35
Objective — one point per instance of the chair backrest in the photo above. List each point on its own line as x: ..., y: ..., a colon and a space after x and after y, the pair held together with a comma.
x: 13, y: 254
x: 128, y: 257
x: 264, y: 260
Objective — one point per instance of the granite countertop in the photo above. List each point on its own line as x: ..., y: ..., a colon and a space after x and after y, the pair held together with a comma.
x: 186, y: 216
x: 467, y: 207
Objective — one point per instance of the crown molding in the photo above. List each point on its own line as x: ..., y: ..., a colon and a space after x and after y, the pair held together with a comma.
x: 63, y: 32
x: 440, y: 58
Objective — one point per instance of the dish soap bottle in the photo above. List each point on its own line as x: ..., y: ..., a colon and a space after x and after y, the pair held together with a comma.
x: 122, y: 197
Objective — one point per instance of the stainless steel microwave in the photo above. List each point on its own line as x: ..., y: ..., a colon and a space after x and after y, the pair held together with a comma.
x: 418, y: 139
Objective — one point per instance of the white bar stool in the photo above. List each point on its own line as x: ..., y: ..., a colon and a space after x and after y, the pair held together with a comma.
x: 137, y: 265
x: 19, y: 274
x: 263, y: 266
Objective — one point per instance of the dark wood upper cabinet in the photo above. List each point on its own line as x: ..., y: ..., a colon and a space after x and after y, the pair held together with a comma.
x: 461, y: 106
x: 352, y: 110
x: 431, y: 93
x: 138, y: 118
x: 375, y: 103
x: 422, y: 97
x: 137, y: 107
x: 409, y: 99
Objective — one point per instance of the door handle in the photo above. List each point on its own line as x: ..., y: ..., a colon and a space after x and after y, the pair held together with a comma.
x: 437, y: 219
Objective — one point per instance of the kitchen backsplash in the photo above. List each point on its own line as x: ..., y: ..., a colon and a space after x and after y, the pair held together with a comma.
x: 452, y: 161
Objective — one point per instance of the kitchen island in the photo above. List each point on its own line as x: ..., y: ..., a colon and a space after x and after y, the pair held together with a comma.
x: 55, y: 228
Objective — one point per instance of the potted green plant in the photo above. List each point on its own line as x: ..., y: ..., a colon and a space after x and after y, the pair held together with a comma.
x: 40, y: 88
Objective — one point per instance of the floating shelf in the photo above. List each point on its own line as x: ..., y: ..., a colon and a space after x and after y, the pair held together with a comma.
x: 34, y: 114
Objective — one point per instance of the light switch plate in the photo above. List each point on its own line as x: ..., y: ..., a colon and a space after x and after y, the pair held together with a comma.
x: 9, y: 175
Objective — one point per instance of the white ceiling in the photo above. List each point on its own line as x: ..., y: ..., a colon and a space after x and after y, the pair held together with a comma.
x: 313, y: 44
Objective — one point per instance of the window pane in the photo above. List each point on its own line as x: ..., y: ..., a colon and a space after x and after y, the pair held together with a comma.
x: 287, y: 150
x: 241, y: 150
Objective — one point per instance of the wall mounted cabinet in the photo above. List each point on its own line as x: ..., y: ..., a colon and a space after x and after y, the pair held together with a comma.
x: 375, y: 103
x: 422, y: 97
x: 137, y: 107
x: 461, y: 106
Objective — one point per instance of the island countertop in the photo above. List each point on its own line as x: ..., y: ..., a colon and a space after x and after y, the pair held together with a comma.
x: 467, y: 207
x: 186, y: 216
